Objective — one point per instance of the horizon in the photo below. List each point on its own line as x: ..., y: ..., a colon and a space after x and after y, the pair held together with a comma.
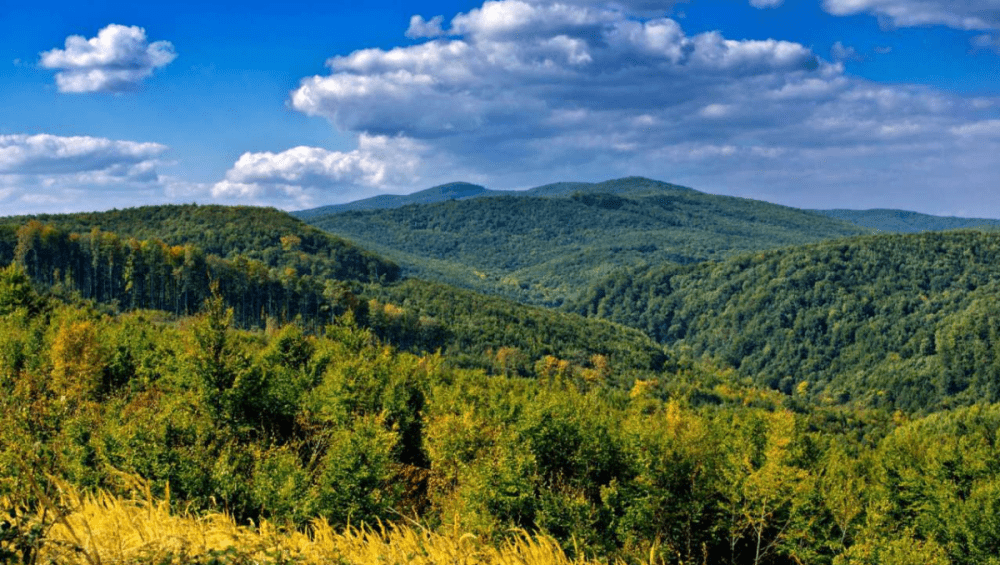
x: 449, y: 183
x: 812, y: 104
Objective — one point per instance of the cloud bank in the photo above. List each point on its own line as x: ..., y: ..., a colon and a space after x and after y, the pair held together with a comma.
x: 958, y: 14
x: 48, y: 172
x: 118, y: 59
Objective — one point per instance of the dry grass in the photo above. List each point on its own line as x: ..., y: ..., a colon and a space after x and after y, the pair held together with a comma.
x: 104, y: 530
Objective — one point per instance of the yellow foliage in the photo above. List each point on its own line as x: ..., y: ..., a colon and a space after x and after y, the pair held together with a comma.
x: 78, y: 359
x: 392, y: 311
x: 104, y: 529
x: 642, y: 389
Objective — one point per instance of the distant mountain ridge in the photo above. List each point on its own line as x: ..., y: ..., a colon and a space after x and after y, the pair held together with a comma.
x: 442, y: 193
x: 544, y: 245
x: 902, y: 221
x: 634, y: 186
x: 881, y: 219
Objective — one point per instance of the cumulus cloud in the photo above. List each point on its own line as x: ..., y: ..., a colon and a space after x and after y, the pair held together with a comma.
x: 49, y: 172
x: 525, y: 92
x: 959, y: 14
x: 419, y: 27
x: 302, y: 173
x: 116, y: 60
x: 45, y: 154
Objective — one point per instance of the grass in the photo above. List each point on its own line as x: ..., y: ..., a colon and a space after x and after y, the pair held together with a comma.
x: 101, y: 529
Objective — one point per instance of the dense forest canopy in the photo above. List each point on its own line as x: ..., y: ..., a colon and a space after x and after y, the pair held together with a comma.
x: 269, y: 236
x: 546, y: 249
x: 907, y: 321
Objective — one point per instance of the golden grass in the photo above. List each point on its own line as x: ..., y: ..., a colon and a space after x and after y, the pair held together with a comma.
x: 103, y: 530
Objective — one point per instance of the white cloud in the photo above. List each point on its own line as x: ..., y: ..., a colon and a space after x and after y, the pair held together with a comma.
x: 959, y: 14
x: 45, y: 154
x: 521, y: 93
x: 116, y: 60
x: 841, y: 52
x: 52, y: 173
x: 302, y: 174
x: 984, y: 128
x: 419, y: 27
x: 761, y: 4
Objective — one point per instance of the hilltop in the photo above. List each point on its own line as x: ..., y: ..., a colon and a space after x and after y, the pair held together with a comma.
x: 545, y: 245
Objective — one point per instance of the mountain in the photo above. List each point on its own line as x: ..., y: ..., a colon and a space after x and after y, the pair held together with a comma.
x: 442, y: 193
x: 901, y: 221
x: 545, y: 245
x: 628, y: 186
x: 902, y: 321
x: 463, y: 191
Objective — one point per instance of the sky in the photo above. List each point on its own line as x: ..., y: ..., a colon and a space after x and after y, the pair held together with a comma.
x: 809, y: 103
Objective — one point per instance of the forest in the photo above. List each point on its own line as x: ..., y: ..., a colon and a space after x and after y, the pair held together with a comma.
x: 901, y: 321
x: 548, y: 244
x: 172, y: 394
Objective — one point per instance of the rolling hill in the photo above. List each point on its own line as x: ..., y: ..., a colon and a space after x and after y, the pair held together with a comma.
x: 545, y: 245
x: 907, y: 321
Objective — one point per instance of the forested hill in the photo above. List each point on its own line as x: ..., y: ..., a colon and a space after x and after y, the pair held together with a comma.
x: 545, y: 249
x: 901, y: 221
x: 311, y: 277
x: 270, y: 236
x: 905, y: 321
x: 442, y: 193
x: 636, y: 186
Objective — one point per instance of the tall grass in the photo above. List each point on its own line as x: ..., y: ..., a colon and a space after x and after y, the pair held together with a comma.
x: 100, y: 529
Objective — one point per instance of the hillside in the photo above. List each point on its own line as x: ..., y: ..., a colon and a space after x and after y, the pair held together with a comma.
x: 138, y: 438
x: 312, y: 278
x: 904, y: 321
x: 269, y: 236
x: 545, y: 245
x: 901, y: 221
x: 514, y: 337
x: 363, y: 421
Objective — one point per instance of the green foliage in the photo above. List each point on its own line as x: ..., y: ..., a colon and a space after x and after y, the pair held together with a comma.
x: 900, y: 321
x: 16, y: 291
x: 259, y: 235
x: 504, y: 337
x: 546, y: 246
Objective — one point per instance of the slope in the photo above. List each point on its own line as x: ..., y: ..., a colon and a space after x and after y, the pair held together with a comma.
x: 904, y: 321
x: 270, y: 236
x: 546, y: 249
x: 901, y: 221
x: 312, y: 275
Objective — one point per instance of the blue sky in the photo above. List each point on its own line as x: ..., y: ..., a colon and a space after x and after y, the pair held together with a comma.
x: 809, y: 103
